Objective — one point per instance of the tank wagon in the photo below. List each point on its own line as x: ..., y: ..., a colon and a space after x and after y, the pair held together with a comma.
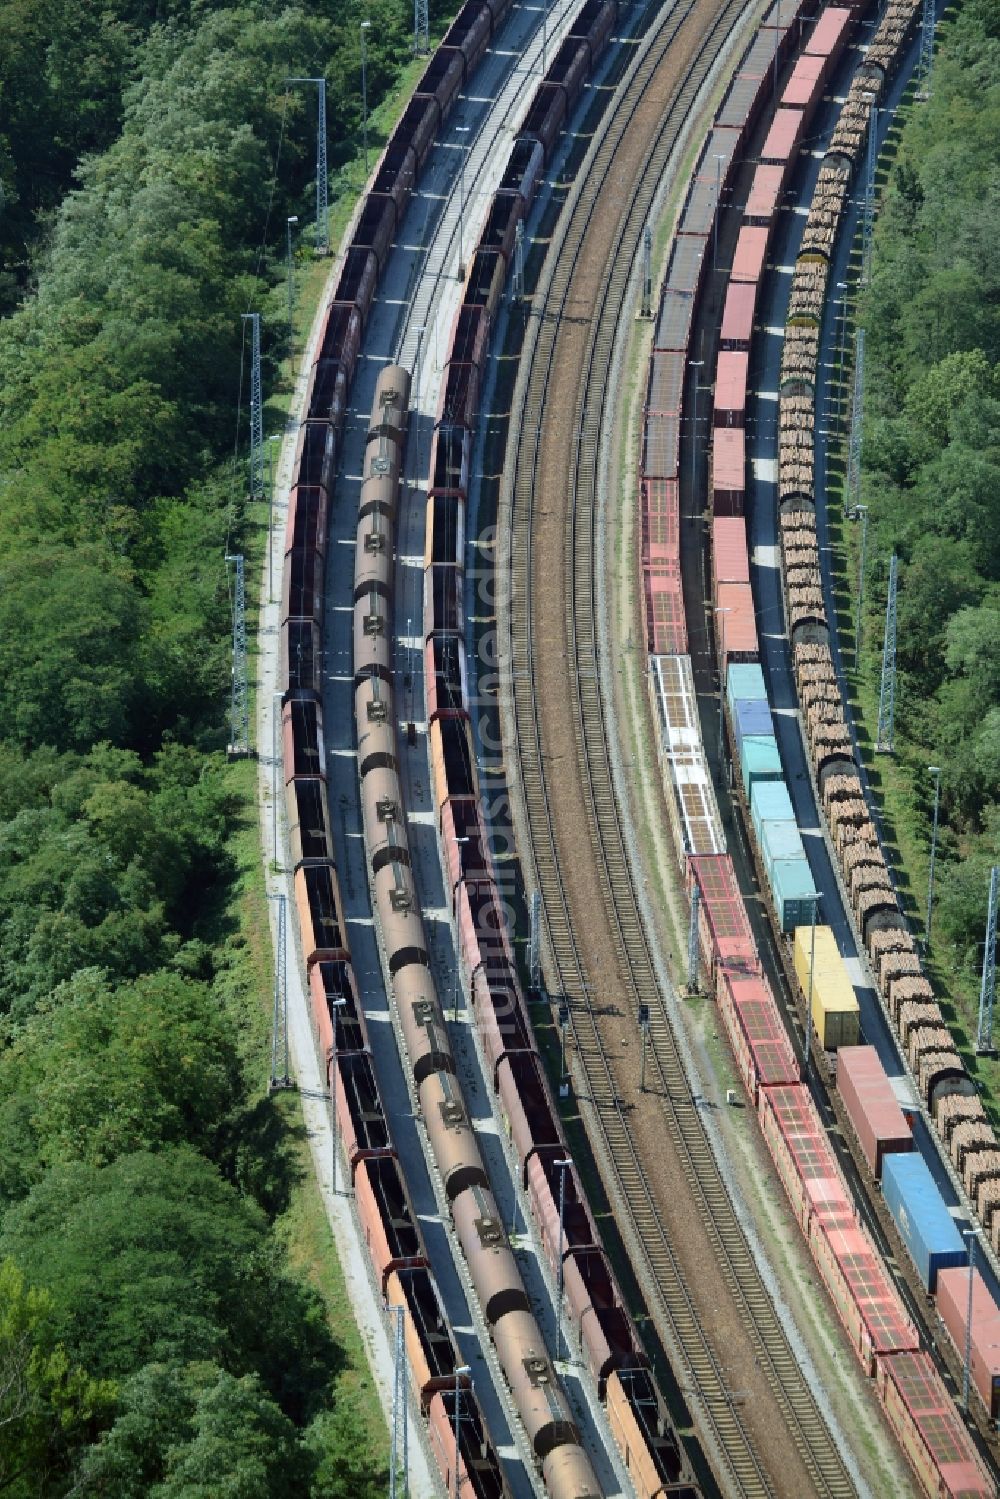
x: 866, y: 1299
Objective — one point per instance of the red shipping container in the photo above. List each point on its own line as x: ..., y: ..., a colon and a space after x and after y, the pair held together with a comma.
x: 750, y: 253
x: 871, y: 1105
x: 731, y: 389
x: 737, y: 315
x: 805, y: 87
x: 730, y: 558
x: 953, y: 1307
x: 736, y: 623
x: 728, y: 470
x: 830, y: 33
x: 764, y: 194
x: 783, y: 137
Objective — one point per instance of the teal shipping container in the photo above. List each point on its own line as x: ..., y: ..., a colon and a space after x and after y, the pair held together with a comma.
x: 759, y: 760
x: 770, y: 802
x: 792, y: 888
x: 744, y: 681
x: 779, y: 841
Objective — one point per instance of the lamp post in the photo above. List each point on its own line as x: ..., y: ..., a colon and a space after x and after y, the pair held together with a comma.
x: 463, y: 1371
x: 970, y: 1235
x: 293, y: 218
x: 365, y: 26
x: 562, y: 1167
x: 695, y: 364
x: 860, y: 513
x: 461, y: 130
x: 935, y: 771
x: 815, y: 898
x: 719, y: 159
x: 275, y: 437
x: 335, y: 1005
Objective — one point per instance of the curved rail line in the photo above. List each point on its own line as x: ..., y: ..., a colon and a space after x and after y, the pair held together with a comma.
x: 671, y: 1304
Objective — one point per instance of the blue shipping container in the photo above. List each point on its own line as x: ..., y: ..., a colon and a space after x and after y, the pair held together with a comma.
x: 745, y: 681
x: 919, y: 1212
x: 770, y: 802
x: 792, y: 888
x: 751, y: 715
x: 759, y: 760
x: 779, y: 841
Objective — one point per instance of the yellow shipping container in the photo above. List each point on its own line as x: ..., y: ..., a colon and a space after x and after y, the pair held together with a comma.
x: 835, y: 1012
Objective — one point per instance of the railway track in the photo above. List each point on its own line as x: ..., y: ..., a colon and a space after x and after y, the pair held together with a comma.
x: 721, y: 1426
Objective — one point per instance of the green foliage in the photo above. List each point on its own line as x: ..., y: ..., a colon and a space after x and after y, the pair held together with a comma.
x: 48, y: 1404
x: 196, y: 1431
x: 155, y: 1258
x: 932, y: 456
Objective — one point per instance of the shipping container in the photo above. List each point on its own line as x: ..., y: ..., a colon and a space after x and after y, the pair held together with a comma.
x: 745, y: 680
x: 729, y: 472
x: 792, y: 886
x: 770, y: 801
x: 871, y: 1105
x: 759, y: 761
x: 765, y: 195
x: 750, y: 253
x: 736, y: 623
x: 738, y: 314
x: 751, y: 716
x: 919, y: 1212
x: 835, y: 1013
x: 829, y: 34
x: 783, y: 137
x: 779, y: 841
x: 984, y: 1347
x: 730, y: 559
x: 730, y: 389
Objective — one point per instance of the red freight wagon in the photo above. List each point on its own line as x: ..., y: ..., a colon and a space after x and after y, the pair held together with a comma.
x: 953, y: 1307
x: 525, y: 1101
x: 306, y: 525
x: 871, y: 1105
x: 723, y: 924
x: 728, y: 470
x: 500, y: 1017
x: 444, y: 677
x: 394, y: 178
x: 302, y: 738
x: 731, y: 388
x: 431, y: 1356
x: 387, y: 1219
x: 829, y: 35
x: 783, y: 137
x: 544, y: 1185
x: 805, y: 87
x: 665, y: 623
x: 545, y: 117
x: 764, y: 195
x: 570, y: 67
x: 801, y: 1150
x: 500, y: 229
x: 757, y: 1035
x: 929, y: 1428
x: 866, y: 1299
x: 660, y: 524
x: 730, y: 558
x: 737, y: 315
x: 736, y: 623
x: 750, y: 254
x: 606, y: 1335
x: 468, y: 336
x: 484, y: 287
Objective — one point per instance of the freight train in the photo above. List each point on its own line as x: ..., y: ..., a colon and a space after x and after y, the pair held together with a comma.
x: 881, y: 1332
x: 601, y: 1325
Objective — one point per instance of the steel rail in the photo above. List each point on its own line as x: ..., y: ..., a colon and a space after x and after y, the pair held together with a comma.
x: 670, y: 1302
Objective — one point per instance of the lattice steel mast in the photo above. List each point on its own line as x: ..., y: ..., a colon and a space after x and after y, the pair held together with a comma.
x: 987, y: 989
x: 256, y: 410
x: 240, y: 697
x: 322, y: 199
x: 421, y: 28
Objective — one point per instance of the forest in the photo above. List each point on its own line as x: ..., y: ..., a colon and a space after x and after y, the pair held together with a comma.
x: 156, y: 1335
x: 932, y: 480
